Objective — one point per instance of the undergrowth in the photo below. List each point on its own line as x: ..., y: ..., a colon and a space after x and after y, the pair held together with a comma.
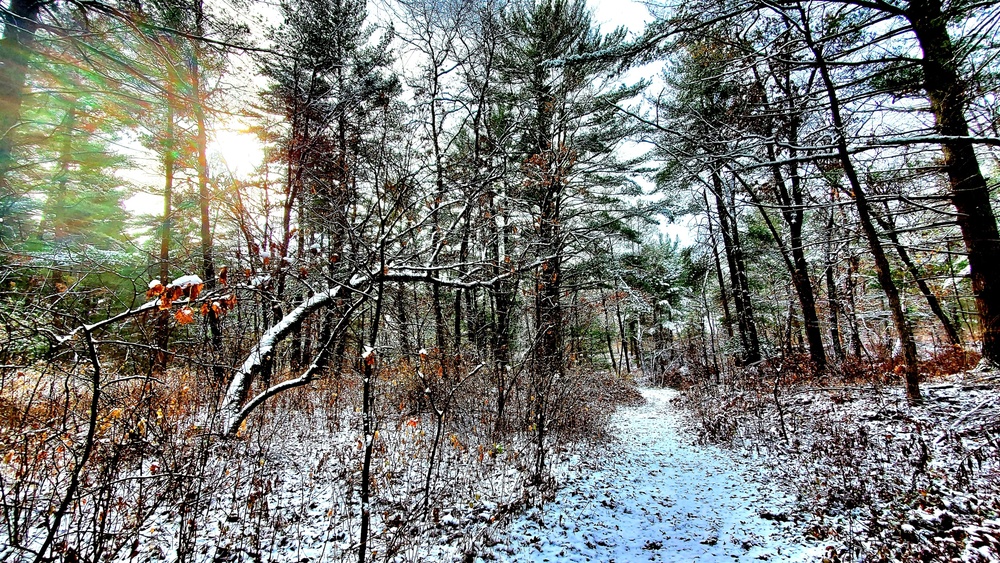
x: 876, y: 478
x: 160, y: 483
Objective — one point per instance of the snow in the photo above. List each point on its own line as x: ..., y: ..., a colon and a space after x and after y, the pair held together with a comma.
x: 650, y: 495
x: 266, y: 344
x: 303, y: 474
x: 647, y: 494
x: 875, y: 476
x: 642, y: 492
x: 188, y: 280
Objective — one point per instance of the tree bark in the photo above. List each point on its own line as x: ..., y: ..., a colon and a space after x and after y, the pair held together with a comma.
x: 204, y: 193
x: 882, y: 269
x: 793, y: 212
x: 932, y: 301
x: 831, y: 291
x: 969, y: 191
x: 20, y: 21
x: 737, y: 274
x: 607, y: 334
x: 548, y: 309
x: 856, y: 346
x: 368, y: 424
x: 167, y: 224
x: 727, y: 319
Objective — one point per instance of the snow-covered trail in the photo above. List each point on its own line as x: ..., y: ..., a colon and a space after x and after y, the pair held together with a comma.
x: 652, y: 496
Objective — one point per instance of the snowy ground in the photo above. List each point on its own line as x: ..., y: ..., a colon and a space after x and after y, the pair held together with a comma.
x: 650, y: 495
x: 876, y: 477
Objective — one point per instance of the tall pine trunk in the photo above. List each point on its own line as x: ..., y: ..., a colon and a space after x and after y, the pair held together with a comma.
x: 831, y: 289
x: 882, y: 269
x: 969, y: 191
x: 204, y: 193
x: 20, y: 21
x: 737, y: 274
x: 727, y: 319
x: 793, y: 212
x: 167, y: 223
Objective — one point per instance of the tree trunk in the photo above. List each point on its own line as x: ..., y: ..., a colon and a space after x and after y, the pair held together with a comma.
x: 622, y: 338
x: 54, y: 214
x: 856, y: 346
x: 405, y: 347
x: 204, y: 195
x: 440, y: 330
x: 888, y: 225
x: 831, y: 291
x: 20, y: 21
x: 882, y: 269
x: 548, y: 317
x: 793, y: 207
x: 969, y: 191
x: 167, y: 225
x: 737, y: 274
x: 503, y: 303
x: 607, y: 334
x: 368, y: 424
x: 727, y: 319
x: 793, y: 213
x: 502, y: 294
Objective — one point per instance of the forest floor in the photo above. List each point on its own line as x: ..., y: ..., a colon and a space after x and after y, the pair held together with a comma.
x: 650, y: 494
x: 873, y: 476
x: 755, y: 469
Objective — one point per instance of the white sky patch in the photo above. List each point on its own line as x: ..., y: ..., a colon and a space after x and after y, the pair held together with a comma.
x: 240, y: 151
x: 610, y: 14
x: 684, y: 229
x: 230, y: 149
x: 234, y: 150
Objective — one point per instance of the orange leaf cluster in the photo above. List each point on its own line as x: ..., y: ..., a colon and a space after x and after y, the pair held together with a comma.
x: 155, y: 290
x: 184, y: 316
x: 171, y: 293
x: 221, y: 307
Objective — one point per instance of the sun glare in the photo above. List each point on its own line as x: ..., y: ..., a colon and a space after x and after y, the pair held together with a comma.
x: 231, y: 150
x: 239, y: 151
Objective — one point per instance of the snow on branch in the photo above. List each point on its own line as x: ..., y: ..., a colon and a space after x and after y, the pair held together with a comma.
x: 233, y: 423
x: 426, y: 275
x: 939, y: 139
x: 108, y: 321
x: 239, y: 386
x: 235, y: 407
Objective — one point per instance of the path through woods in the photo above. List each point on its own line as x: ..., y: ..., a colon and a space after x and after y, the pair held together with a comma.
x: 651, y: 495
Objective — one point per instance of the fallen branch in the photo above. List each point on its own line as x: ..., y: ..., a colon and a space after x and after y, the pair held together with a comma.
x: 239, y: 386
x: 233, y: 422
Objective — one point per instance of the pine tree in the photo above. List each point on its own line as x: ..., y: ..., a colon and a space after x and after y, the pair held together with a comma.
x: 568, y: 129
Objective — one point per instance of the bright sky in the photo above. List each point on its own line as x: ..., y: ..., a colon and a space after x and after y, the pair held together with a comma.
x: 613, y: 13
x: 633, y: 15
x: 240, y: 152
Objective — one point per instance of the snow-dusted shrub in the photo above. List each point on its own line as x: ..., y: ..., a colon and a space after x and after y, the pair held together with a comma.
x: 879, y: 479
